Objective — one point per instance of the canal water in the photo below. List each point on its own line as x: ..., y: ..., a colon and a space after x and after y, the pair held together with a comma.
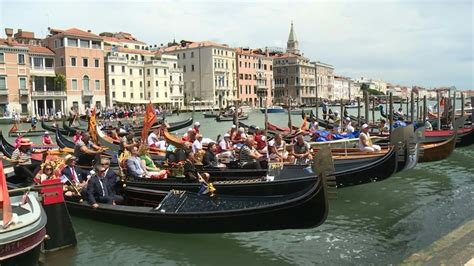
x: 377, y: 223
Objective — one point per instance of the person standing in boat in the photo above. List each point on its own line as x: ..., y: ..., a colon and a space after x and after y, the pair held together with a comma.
x: 249, y: 156
x: 301, y: 150
x: 47, y: 139
x: 86, y: 151
x: 365, y: 143
x: 99, y: 190
x: 325, y: 109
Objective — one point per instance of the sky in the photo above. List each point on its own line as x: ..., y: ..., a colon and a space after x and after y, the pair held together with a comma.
x: 424, y: 43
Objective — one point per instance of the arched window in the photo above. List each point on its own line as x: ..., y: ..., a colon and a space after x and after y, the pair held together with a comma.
x: 85, y: 83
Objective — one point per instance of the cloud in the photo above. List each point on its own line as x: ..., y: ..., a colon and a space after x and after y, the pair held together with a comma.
x: 406, y: 42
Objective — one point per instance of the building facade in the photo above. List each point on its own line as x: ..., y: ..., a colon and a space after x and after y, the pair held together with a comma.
x: 324, y: 80
x: 254, y: 77
x: 209, y: 72
x: 79, y: 57
x: 135, y: 75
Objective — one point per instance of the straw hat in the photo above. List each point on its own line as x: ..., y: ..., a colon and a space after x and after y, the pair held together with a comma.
x: 25, y: 142
x: 69, y: 157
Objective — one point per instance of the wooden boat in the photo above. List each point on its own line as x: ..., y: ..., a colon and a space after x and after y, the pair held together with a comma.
x: 52, y: 128
x: 438, y: 151
x: 465, y: 136
x: 186, y: 212
x: 231, y: 118
x: 20, y: 243
x: 26, y: 133
x: 210, y: 114
x: 273, y: 109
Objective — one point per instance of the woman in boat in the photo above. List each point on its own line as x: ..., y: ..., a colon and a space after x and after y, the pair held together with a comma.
x: 47, y: 139
x: 190, y: 172
x: 77, y: 137
x: 147, y: 162
x: 365, y: 144
x: 46, y: 172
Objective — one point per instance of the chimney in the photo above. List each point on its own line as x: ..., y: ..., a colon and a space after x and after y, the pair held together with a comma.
x: 9, y: 33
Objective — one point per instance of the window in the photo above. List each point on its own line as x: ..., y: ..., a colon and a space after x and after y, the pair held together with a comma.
x: 166, y: 84
x: 140, y: 72
x: 156, y: 71
x: 56, y: 43
x: 61, y: 61
x: 123, y: 82
x: 192, y: 54
x: 113, y: 94
x: 166, y: 94
x: 85, y: 44
x: 85, y: 62
x: 164, y: 71
x: 149, y: 95
x: 22, y: 83
x: 112, y: 68
x: 73, y: 61
x: 141, y: 84
x: 124, y: 94
x: 113, y: 82
x: 148, y: 72
x: 96, y: 44
x: 85, y: 83
x: 21, y: 59
x: 61, y: 42
x: 74, y: 84
x: 97, y: 85
x: 123, y: 69
x: 130, y: 71
x: 96, y: 62
x: 192, y: 68
x: 148, y: 83
x: 131, y: 84
x: 131, y: 95
x: 184, y: 55
x: 141, y: 95
x: 72, y: 42
x: 157, y: 95
x: 2, y: 57
x: 37, y: 62
x: 184, y: 68
x: 156, y: 83
x: 3, y: 83
x: 24, y: 108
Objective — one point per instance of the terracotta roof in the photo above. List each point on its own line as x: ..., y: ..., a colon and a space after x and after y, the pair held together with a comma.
x: 114, y: 39
x: 195, y: 45
x: 134, y: 51
x: 39, y: 50
x: 76, y: 32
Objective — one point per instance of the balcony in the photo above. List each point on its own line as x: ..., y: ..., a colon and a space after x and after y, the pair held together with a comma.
x: 24, y: 92
x: 116, y: 59
x: 44, y: 94
x: 87, y: 93
x: 178, y: 83
x: 42, y: 71
x: 4, y: 92
x: 156, y: 63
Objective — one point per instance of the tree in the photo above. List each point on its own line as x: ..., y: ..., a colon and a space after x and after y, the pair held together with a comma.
x: 60, y: 82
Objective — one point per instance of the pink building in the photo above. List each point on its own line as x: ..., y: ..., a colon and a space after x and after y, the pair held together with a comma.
x: 255, y: 77
x: 79, y: 56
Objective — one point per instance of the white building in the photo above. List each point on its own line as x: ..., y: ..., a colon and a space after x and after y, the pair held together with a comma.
x: 209, y: 71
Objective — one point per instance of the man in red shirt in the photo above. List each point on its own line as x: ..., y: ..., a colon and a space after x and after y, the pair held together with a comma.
x: 261, y: 141
x: 197, y: 125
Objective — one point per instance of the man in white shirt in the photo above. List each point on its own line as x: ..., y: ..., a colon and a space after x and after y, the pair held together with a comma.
x: 226, y: 147
x: 153, y: 138
x: 365, y: 144
x: 197, y: 145
x: 161, y: 144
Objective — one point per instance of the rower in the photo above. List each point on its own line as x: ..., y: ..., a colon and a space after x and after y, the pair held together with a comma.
x: 21, y: 159
x: 365, y: 144
x: 86, y: 151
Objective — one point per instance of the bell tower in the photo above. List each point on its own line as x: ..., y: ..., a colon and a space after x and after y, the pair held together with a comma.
x: 292, y: 45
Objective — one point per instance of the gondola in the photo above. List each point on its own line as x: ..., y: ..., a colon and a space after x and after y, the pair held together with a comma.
x: 210, y: 114
x: 20, y: 243
x: 172, y: 127
x: 231, y: 118
x: 438, y: 151
x: 52, y: 128
x: 465, y: 136
x: 26, y: 133
x: 287, y: 179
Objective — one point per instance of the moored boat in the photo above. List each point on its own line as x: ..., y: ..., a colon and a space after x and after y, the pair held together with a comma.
x: 273, y: 109
x: 231, y: 118
x: 438, y: 151
x: 20, y: 243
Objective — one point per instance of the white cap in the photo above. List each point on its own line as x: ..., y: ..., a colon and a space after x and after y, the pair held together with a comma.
x: 234, y: 126
x: 348, y: 119
x: 226, y: 135
x: 336, y: 112
x: 257, y: 128
x: 241, y: 129
x: 315, y: 123
x: 364, y: 126
x: 190, y: 129
x: 197, y: 124
x: 46, y: 133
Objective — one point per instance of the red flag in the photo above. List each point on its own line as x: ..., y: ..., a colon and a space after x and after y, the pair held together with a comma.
x: 5, y: 198
x: 148, y: 121
x: 93, y: 127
